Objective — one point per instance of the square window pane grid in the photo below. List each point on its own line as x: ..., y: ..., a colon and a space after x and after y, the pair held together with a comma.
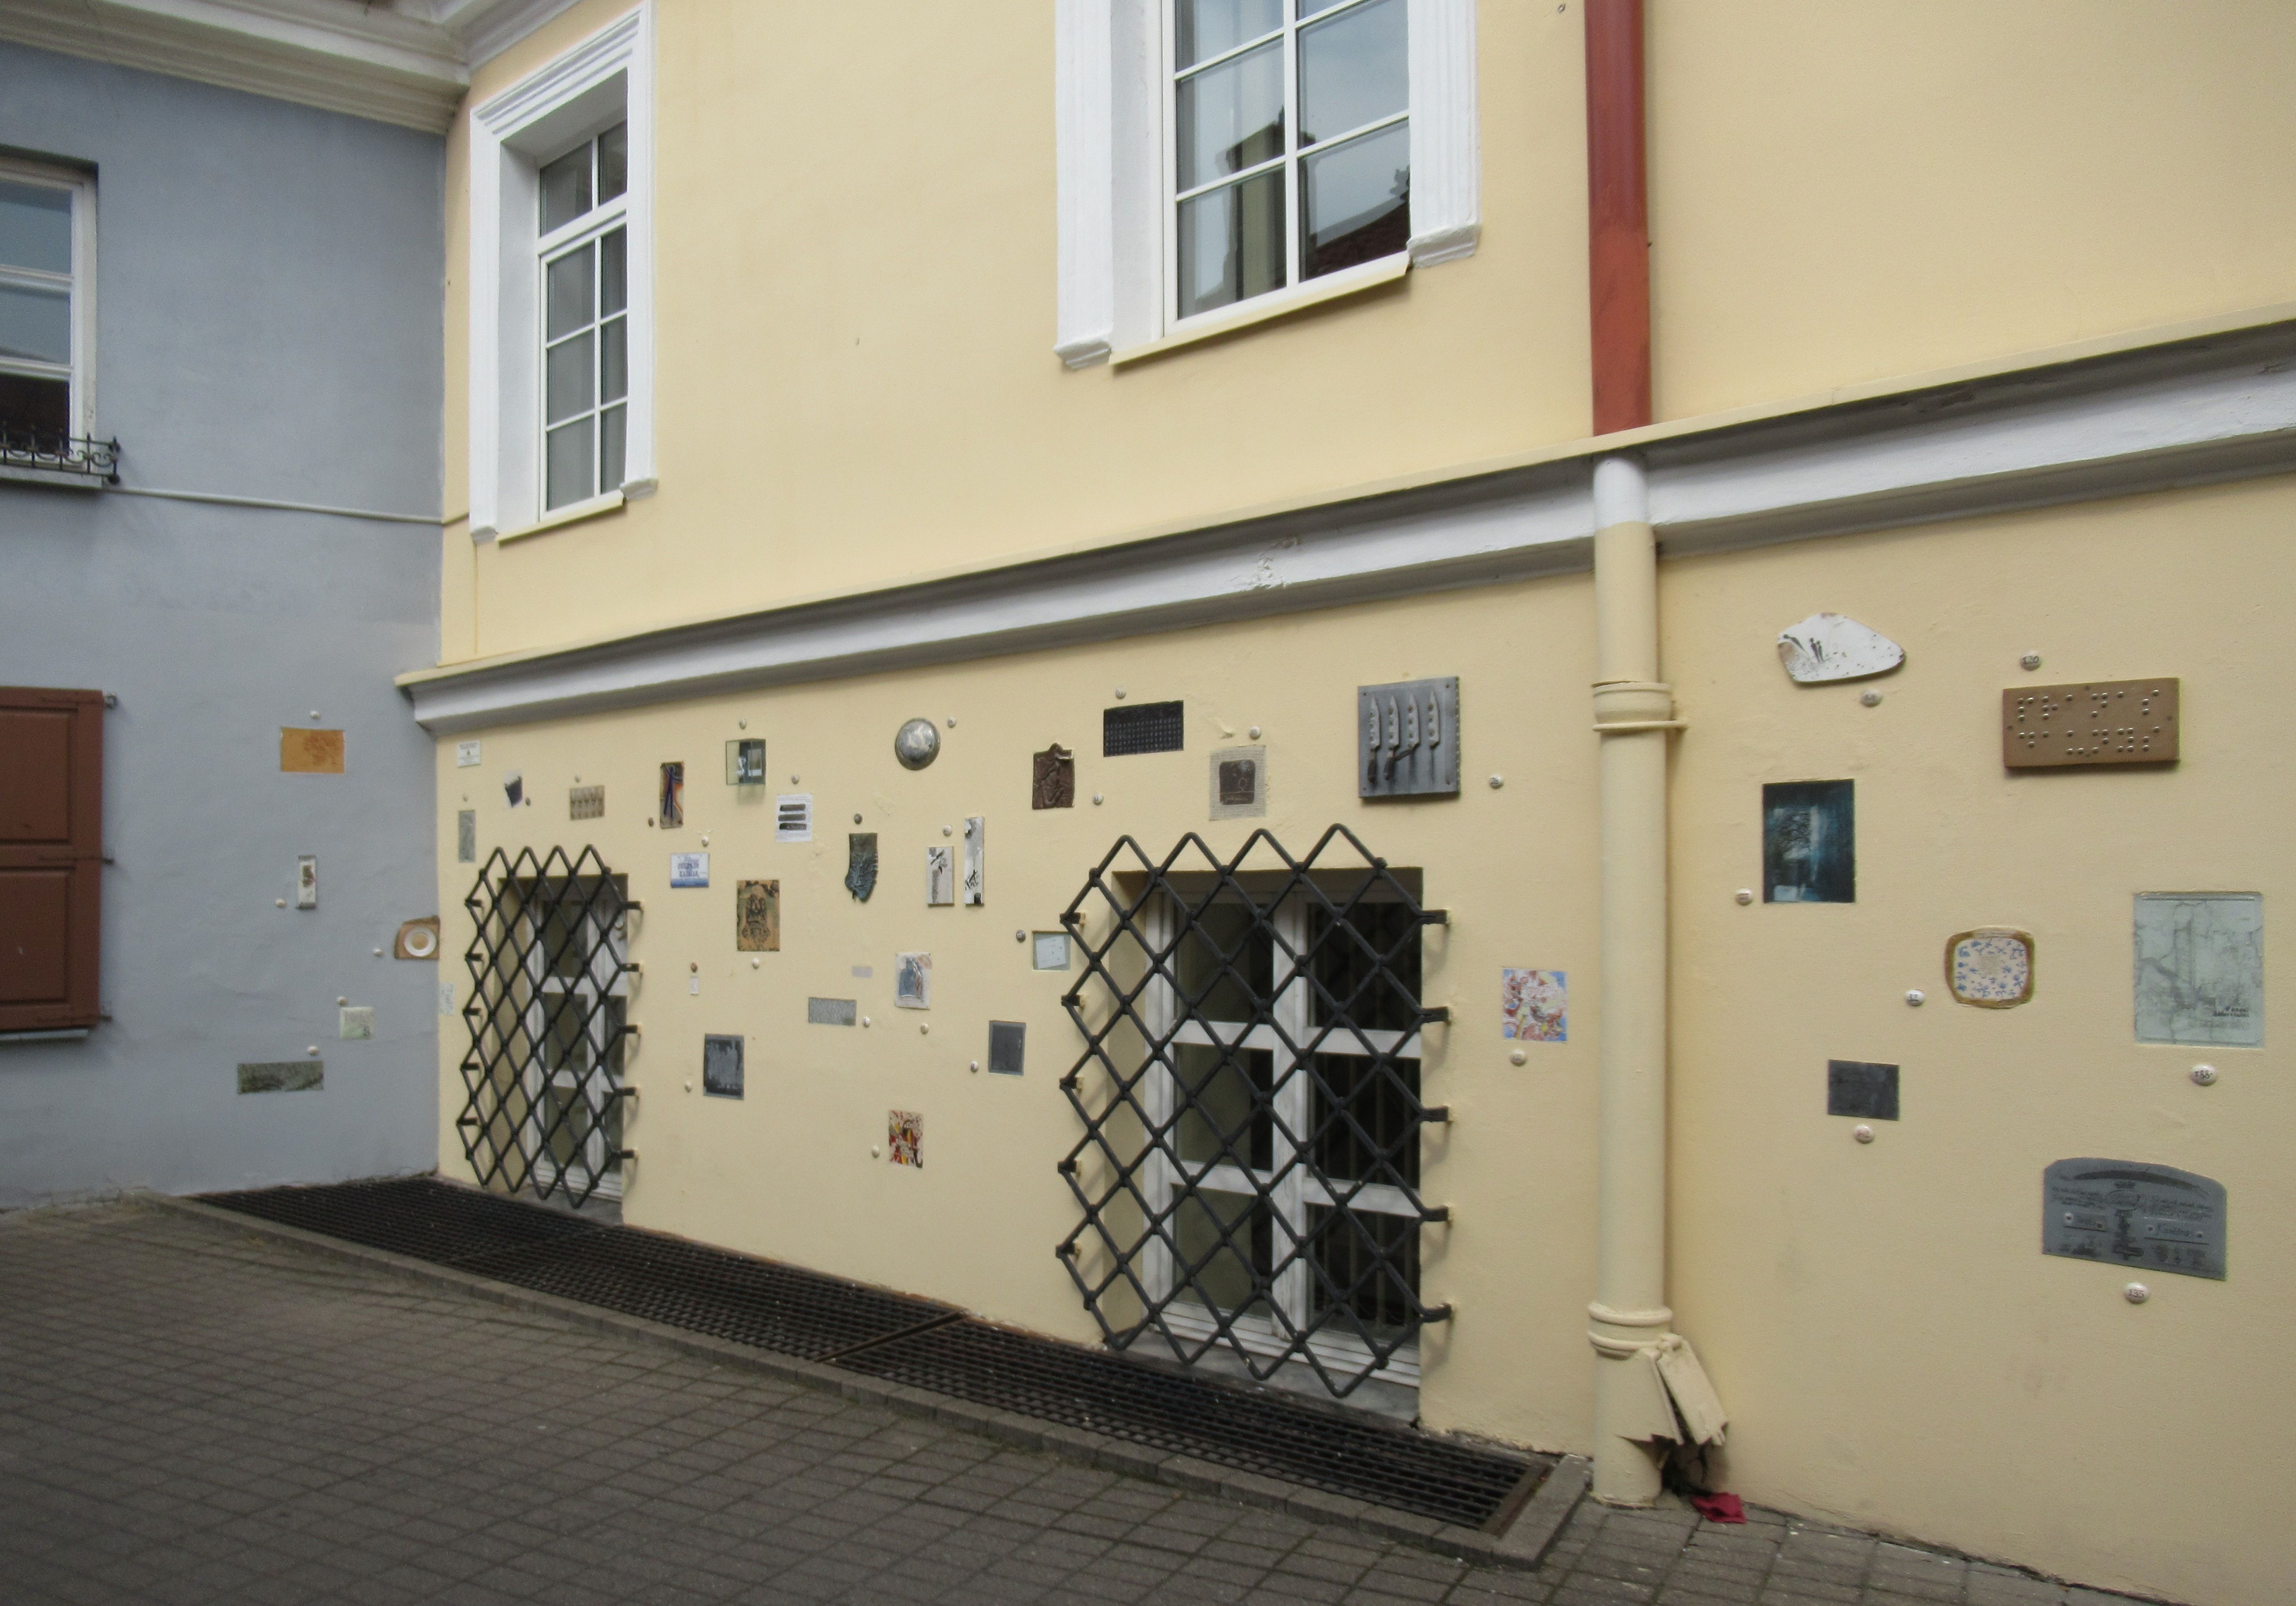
x: 1250, y: 1090
x: 548, y: 1024
x: 586, y: 326
x: 1289, y: 153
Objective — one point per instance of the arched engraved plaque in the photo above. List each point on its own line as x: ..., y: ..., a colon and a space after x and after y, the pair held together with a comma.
x: 2126, y: 1213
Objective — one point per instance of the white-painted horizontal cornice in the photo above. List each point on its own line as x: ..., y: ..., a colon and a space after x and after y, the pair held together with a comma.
x: 2104, y: 420
x: 405, y: 61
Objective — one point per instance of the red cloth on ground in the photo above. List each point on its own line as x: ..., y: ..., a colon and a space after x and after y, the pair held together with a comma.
x: 1720, y: 1508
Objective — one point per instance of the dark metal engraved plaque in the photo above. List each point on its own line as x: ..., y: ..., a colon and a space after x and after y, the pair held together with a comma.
x: 1407, y: 738
x: 861, y: 865
x: 1862, y: 1088
x: 1142, y: 727
x: 1239, y: 782
x: 1007, y: 1043
x: 1051, y: 779
x: 2125, y: 1212
x: 831, y: 1012
x: 2091, y: 722
x: 721, y: 1066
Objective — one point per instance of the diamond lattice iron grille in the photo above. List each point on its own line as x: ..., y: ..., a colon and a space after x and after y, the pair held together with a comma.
x: 548, y: 1020
x: 1250, y: 1090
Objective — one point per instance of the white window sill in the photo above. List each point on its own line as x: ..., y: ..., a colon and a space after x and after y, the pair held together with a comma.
x: 573, y: 512
x: 70, y: 480
x: 1275, y: 304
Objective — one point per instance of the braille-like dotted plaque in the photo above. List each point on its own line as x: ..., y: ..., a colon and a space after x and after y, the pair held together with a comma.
x: 1144, y: 727
x: 2092, y: 722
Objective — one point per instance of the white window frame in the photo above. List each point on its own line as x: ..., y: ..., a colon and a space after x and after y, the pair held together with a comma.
x: 584, y: 232
x: 1111, y: 115
x: 606, y: 79
x: 1161, y: 1177
x: 79, y: 372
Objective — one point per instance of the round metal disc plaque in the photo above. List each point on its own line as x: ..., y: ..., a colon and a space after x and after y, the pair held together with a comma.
x: 916, y: 744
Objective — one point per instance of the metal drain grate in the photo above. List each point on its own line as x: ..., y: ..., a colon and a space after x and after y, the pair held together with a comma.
x: 898, y: 1338
x: 1250, y: 1432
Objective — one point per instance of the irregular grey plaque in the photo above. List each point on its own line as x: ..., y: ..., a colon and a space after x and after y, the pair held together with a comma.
x: 861, y: 865
x: 283, y: 1075
x: 466, y: 837
x: 1407, y: 738
x: 831, y: 1012
x: 2125, y: 1212
x: 721, y: 1066
x: 1007, y: 1045
x: 976, y: 847
x: 1862, y: 1088
x: 2200, y: 968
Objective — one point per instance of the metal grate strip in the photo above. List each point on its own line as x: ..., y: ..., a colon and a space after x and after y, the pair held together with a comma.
x: 898, y: 1338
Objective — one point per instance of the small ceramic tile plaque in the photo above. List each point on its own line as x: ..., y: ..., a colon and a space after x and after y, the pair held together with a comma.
x: 689, y: 869
x: 1049, y: 950
x: 2200, y: 969
x: 355, y: 1022
x: 940, y: 876
x: 976, y: 861
x: 1990, y: 967
x: 669, y: 804
x: 905, y: 1137
x: 466, y: 754
x: 1534, y: 1006
x: 913, y: 980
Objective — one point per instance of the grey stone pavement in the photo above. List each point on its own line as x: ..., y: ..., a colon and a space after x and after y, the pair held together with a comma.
x: 192, y: 1412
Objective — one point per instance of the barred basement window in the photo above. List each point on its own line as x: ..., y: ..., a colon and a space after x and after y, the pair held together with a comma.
x: 1251, y: 1097
x: 548, y: 1023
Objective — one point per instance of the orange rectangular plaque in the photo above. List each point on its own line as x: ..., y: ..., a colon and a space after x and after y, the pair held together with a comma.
x: 2090, y: 721
x: 304, y: 752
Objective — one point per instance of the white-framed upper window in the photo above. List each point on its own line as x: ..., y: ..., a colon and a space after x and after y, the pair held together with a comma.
x: 584, y: 247
x: 562, y: 276
x: 47, y: 306
x: 1220, y: 160
x: 1289, y: 156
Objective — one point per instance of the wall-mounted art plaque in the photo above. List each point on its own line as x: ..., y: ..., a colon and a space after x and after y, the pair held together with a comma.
x: 1833, y: 647
x: 1862, y: 1088
x: 721, y: 1066
x: 1008, y: 1042
x: 940, y: 876
x: 1052, y: 778
x: 1407, y: 738
x: 689, y: 869
x: 586, y: 802
x: 306, y: 752
x: 976, y: 868
x: 1239, y: 782
x: 756, y: 917
x: 831, y: 1012
x: 905, y: 1137
x: 2200, y: 968
x: 466, y: 836
x: 514, y: 788
x: 1533, y: 1006
x: 861, y: 865
x: 1049, y: 950
x: 283, y: 1075
x: 1990, y: 967
x: 745, y: 761
x: 793, y: 817
x: 2127, y: 1213
x: 1142, y: 727
x: 912, y: 981
x: 916, y: 743
x: 670, y: 804
x: 2090, y: 721
x: 1810, y: 842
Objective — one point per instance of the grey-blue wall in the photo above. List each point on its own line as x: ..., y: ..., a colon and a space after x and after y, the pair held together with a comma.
x: 269, y: 309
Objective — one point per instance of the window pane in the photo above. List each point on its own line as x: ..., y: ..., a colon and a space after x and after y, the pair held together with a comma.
x: 613, y: 161
x: 613, y: 428
x: 1225, y: 963
x: 570, y: 463
x: 34, y: 406
x: 1366, y: 969
x: 1232, y: 244
x: 1364, y: 1128
x: 567, y: 383
x: 1366, y: 1266
x: 1207, y: 27
x: 1227, y: 1276
x: 567, y: 295
x: 1226, y: 1107
x: 36, y: 227
x: 1356, y: 201
x: 1231, y: 116
x: 613, y: 272
x: 1353, y: 69
x: 566, y: 188
x: 35, y: 324
x: 613, y: 361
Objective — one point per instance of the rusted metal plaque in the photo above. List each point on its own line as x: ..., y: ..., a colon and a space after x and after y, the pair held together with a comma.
x: 2089, y: 722
x: 2129, y: 1213
x: 303, y: 752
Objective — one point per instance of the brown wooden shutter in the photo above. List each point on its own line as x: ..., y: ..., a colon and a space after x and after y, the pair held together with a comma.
x: 51, y: 857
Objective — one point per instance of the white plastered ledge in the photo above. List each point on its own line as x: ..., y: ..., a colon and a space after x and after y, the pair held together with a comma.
x: 607, y: 77
x: 1108, y: 123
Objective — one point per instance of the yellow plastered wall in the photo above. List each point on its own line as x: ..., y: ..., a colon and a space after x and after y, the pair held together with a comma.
x: 855, y: 257
x: 1848, y: 190
x: 1895, y: 1351
x: 787, y: 1172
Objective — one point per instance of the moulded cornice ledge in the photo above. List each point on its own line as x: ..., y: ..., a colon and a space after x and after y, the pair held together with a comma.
x: 402, y: 61
x: 2188, y: 410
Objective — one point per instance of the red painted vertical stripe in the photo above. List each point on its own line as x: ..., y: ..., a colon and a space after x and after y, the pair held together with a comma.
x: 1617, y: 215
